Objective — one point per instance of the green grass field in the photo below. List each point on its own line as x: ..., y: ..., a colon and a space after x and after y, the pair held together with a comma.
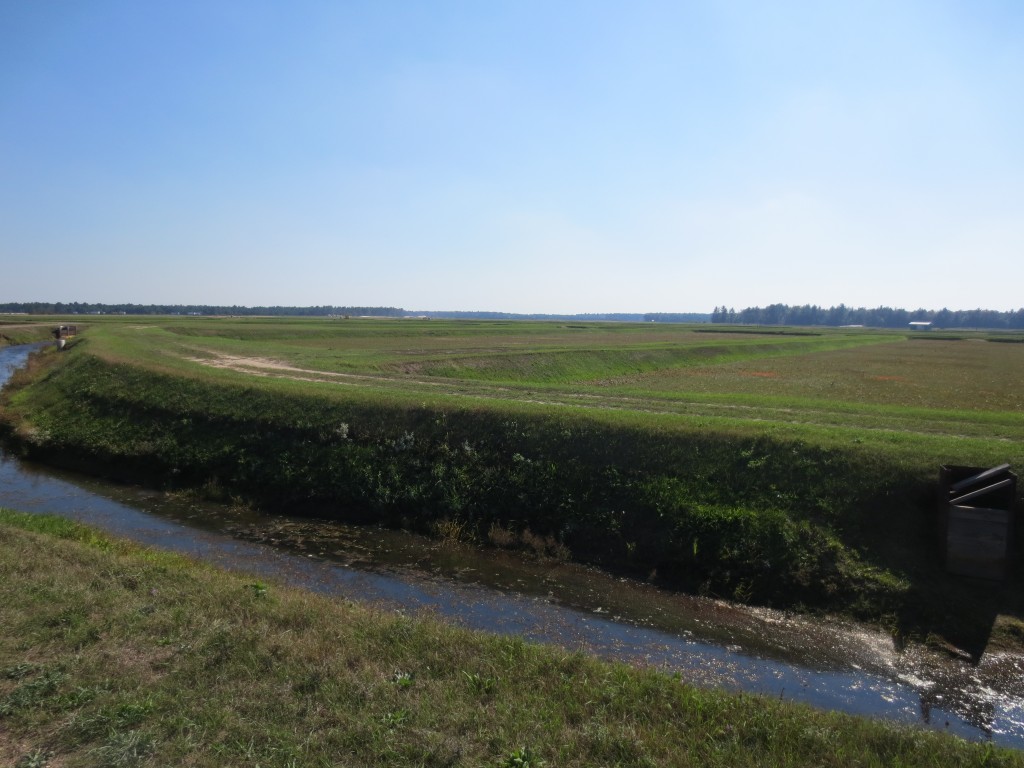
x: 819, y: 379
x: 787, y: 466
x: 938, y: 399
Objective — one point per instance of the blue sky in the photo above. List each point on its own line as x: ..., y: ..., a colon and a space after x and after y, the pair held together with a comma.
x: 514, y: 156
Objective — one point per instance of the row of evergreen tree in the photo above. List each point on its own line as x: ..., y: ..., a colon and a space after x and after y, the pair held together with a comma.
x: 83, y: 308
x: 880, y: 317
x: 773, y: 314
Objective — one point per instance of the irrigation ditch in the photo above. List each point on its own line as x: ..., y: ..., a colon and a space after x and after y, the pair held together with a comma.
x: 828, y: 663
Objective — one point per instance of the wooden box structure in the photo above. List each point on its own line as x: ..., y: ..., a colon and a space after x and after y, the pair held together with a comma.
x: 977, y: 511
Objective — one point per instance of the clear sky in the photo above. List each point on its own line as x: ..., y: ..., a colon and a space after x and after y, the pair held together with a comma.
x: 513, y: 155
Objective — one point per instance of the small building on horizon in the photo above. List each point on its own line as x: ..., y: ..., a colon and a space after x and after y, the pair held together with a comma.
x: 921, y: 325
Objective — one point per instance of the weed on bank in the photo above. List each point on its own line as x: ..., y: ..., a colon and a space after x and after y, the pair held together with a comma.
x: 115, y: 655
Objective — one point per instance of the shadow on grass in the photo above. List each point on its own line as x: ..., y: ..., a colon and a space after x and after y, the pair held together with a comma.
x: 963, y: 612
x: 959, y: 613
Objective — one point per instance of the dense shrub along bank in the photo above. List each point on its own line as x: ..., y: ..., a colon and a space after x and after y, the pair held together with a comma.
x: 753, y: 518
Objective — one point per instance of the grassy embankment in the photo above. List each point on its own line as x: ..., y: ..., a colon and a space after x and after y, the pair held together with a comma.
x: 772, y: 468
x: 18, y: 331
x: 115, y: 655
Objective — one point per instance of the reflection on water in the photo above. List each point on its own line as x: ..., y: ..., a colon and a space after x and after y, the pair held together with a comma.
x: 831, y: 664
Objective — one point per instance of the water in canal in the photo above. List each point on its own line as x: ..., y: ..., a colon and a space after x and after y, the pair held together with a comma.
x: 831, y: 664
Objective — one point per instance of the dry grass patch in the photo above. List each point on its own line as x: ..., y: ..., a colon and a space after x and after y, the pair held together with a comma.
x: 115, y: 655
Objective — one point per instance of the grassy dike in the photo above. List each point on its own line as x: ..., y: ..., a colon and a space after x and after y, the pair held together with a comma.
x: 13, y: 331
x: 116, y: 655
x: 750, y: 516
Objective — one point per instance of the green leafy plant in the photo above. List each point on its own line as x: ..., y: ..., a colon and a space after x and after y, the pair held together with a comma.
x: 524, y: 757
x: 402, y: 679
x: 481, y: 684
x: 37, y: 758
x: 259, y: 589
x: 396, y: 719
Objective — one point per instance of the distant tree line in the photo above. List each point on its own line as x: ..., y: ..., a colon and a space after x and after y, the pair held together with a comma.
x: 773, y: 314
x: 881, y: 317
x: 84, y: 308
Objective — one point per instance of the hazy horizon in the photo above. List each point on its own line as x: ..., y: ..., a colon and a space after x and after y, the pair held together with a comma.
x: 535, y: 158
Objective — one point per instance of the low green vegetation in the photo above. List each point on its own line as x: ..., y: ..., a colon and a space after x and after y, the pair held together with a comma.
x: 786, y: 468
x: 17, y: 331
x: 115, y: 655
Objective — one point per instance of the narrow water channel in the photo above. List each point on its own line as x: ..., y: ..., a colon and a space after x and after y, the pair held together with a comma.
x: 831, y: 664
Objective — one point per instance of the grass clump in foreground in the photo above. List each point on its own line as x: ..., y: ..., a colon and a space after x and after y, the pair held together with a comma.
x: 111, y: 654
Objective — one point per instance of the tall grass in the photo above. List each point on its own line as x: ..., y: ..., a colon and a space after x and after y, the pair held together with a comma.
x: 112, y: 655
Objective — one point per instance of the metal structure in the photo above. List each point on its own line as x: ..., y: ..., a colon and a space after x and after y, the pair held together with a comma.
x: 977, y: 511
